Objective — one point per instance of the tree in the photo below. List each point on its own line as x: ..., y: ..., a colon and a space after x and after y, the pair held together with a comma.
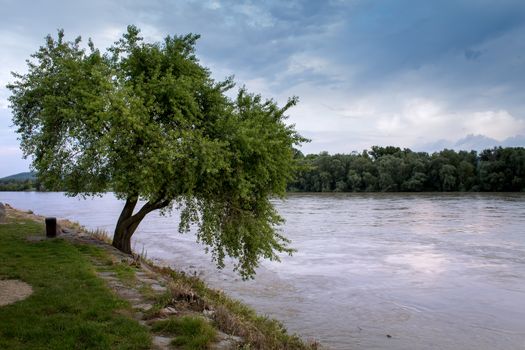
x: 377, y: 151
x: 390, y: 173
x: 447, y: 174
x: 147, y: 121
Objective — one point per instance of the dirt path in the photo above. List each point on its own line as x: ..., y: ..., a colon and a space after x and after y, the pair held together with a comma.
x: 12, y: 291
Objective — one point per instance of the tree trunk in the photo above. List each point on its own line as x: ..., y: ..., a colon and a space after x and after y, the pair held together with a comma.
x: 127, y: 223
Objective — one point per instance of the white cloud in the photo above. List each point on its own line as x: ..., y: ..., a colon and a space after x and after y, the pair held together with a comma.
x: 151, y: 33
x: 212, y: 5
x: 259, y: 86
x: 495, y: 124
x: 390, y: 125
x: 256, y: 16
x: 303, y: 62
x: 107, y: 36
x: 421, y: 111
x: 426, y: 118
x: 337, y: 121
x: 414, y: 114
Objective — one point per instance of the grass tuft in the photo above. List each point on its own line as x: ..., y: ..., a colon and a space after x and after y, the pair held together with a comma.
x: 99, y: 234
x: 192, y: 333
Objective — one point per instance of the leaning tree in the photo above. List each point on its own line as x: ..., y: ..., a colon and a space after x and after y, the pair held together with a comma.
x: 147, y: 122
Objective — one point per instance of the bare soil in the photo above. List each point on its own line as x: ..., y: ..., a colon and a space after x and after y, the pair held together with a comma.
x: 12, y: 291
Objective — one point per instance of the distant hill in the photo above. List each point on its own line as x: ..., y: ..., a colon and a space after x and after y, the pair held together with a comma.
x: 19, y: 177
x: 472, y: 142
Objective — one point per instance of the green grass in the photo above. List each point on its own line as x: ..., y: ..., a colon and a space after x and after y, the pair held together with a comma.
x: 70, y: 307
x: 125, y: 273
x: 101, y: 256
x: 192, y: 333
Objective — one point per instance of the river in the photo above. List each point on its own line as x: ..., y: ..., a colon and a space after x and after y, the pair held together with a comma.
x: 372, y: 271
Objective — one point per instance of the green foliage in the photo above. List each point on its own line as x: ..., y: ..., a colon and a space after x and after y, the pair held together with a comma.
x: 70, y: 307
x: 192, y: 333
x: 146, y: 120
x: 392, y: 169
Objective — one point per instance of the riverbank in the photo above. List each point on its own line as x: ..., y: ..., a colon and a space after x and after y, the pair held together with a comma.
x: 87, y: 293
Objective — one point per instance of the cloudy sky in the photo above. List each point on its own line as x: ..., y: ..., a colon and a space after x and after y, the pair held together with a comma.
x: 410, y: 73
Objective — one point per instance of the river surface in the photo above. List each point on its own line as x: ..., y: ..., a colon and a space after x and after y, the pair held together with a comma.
x: 372, y: 271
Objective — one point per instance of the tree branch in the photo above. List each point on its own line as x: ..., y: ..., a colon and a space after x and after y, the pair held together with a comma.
x: 146, y: 208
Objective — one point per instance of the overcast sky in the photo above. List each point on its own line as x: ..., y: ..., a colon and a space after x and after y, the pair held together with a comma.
x: 410, y: 73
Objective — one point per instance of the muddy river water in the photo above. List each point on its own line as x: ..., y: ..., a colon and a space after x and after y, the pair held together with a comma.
x: 372, y: 271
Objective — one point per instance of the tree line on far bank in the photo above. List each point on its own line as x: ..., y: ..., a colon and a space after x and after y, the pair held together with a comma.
x: 20, y: 182
x: 392, y: 169
x: 20, y: 185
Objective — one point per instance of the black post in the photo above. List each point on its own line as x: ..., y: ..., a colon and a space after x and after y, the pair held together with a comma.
x: 51, y: 227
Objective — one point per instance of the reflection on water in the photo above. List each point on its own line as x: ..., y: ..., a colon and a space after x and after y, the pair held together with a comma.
x: 433, y: 271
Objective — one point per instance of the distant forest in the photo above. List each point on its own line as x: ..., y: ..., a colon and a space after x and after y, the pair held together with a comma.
x: 19, y: 185
x: 20, y: 182
x: 387, y: 169
x: 392, y: 169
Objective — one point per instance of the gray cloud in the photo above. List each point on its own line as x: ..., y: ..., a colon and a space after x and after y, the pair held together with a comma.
x: 367, y: 72
x: 472, y: 55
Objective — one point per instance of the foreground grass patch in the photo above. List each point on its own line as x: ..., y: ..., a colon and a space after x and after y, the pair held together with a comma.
x: 70, y: 308
x: 192, y: 333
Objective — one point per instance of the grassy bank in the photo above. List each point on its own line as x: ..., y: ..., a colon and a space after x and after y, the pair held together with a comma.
x: 89, y: 296
x: 70, y: 307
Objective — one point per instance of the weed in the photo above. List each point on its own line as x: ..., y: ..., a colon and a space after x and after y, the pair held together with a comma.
x: 99, y: 234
